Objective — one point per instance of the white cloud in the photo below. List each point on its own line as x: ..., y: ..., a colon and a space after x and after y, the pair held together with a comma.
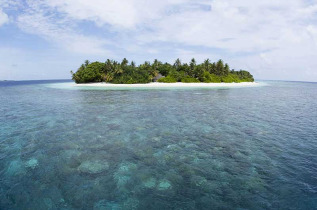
x: 312, y: 31
x: 63, y: 36
x: 3, y: 17
x: 40, y: 20
x: 234, y: 25
x: 127, y: 14
x: 270, y: 38
x: 254, y: 28
x: 280, y: 39
x: 117, y: 13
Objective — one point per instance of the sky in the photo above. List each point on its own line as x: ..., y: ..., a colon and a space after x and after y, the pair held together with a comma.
x: 46, y: 39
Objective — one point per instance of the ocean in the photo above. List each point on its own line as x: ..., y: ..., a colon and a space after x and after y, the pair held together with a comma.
x: 64, y: 147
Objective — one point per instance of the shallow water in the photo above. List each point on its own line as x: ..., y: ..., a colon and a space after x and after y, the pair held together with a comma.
x: 220, y: 148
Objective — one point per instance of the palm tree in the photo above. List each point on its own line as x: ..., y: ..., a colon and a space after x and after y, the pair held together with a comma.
x: 177, y: 63
x: 117, y: 68
x: 124, y: 62
x: 86, y: 63
x: 207, y: 63
x: 220, y: 68
x: 226, y: 69
x: 192, y: 64
x: 156, y: 63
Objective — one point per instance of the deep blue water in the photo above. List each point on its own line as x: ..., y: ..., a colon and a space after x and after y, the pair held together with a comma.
x: 230, y: 148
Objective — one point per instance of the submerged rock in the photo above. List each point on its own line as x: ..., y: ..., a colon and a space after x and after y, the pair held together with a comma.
x: 131, y: 204
x: 127, y: 168
x: 124, y: 173
x: 156, y: 139
x: 15, y: 168
x: 199, y: 181
x: 164, y: 185
x: 48, y: 203
x: 173, y: 147
x: 121, y: 180
x: 114, y: 126
x: 93, y: 166
x: 32, y: 163
x: 149, y: 183
x: 106, y: 205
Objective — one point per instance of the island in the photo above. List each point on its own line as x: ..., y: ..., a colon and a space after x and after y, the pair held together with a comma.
x: 123, y: 72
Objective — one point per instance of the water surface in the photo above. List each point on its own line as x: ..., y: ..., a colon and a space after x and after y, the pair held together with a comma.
x: 221, y: 148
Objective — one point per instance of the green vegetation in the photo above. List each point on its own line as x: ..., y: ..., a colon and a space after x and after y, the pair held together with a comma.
x: 128, y: 73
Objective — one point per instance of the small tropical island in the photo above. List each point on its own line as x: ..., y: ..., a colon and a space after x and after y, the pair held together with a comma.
x: 123, y: 72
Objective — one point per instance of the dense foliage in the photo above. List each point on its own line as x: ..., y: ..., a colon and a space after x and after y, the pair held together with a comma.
x: 128, y: 73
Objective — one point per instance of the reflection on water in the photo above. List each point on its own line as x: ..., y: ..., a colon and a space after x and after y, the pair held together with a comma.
x: 69, y: 148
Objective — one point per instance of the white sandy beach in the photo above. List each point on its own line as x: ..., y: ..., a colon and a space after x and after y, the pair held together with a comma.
x: 169, y: 85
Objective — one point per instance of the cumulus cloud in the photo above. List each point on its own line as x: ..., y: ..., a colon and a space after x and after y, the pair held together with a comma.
x: 60, y: 34
x: 126, y: 14
x: 234, y: 25
x: 274, y: 39
x: 3, y: 17
x: 43, y: 21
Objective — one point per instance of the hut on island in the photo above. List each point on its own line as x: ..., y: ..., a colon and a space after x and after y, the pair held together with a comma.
x: 158, y: 76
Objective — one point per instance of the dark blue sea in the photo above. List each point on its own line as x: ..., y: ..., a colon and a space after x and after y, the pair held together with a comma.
x: 65, y: 147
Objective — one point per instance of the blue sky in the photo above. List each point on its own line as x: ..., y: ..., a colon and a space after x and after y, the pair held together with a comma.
x: 45, y: 39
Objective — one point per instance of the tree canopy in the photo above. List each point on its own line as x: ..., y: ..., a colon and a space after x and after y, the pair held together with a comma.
x: 125, y: 72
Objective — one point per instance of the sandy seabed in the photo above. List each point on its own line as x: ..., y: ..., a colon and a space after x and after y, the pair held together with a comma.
x: 169, y: 85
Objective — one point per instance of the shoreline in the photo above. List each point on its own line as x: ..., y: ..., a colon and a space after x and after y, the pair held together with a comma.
x: 168, y: 85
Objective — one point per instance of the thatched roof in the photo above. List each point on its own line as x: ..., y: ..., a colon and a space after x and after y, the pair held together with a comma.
x: 159, y: 76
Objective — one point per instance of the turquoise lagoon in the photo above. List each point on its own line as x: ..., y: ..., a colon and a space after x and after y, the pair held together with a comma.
x: 64, y: 147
